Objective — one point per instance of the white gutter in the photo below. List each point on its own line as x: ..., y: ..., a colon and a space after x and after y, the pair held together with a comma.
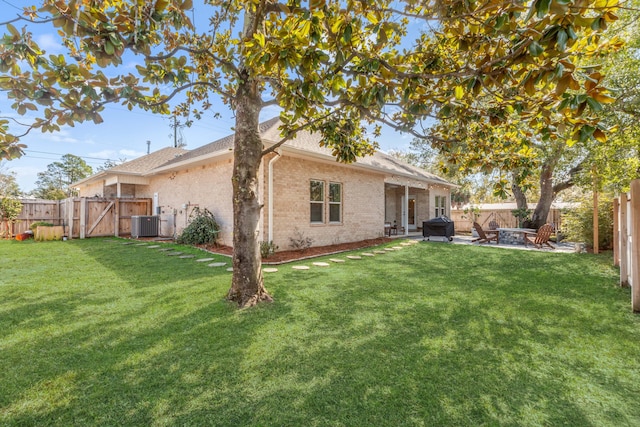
x: 271, y: 162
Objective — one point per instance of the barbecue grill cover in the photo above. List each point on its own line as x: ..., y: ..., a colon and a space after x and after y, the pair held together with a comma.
x: 440, y: 226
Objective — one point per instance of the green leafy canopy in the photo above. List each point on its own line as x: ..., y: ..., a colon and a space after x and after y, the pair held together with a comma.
x: 331, y: 66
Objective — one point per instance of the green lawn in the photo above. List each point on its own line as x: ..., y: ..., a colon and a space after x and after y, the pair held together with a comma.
x: 94, y: 332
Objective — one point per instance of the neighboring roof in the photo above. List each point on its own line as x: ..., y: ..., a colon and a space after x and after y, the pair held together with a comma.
x: 307, y: 142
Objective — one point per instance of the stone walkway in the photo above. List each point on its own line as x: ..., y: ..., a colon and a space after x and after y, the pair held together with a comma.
x: 171, y: 252
x: 403, y: 242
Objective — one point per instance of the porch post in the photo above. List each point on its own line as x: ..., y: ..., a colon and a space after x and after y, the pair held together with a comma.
x: 405, y: 220
x: 118, y: 190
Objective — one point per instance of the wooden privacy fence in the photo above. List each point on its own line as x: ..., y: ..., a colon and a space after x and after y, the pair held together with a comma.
x: 83, y: 217
x: 626, y: 234
x: 502, y: 217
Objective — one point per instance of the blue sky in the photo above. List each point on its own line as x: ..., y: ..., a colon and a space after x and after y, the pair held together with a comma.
x: 123, y: 134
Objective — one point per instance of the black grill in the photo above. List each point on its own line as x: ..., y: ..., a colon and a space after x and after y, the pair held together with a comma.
x: 441, y: 226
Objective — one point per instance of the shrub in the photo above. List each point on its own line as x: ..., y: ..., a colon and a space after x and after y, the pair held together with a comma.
x: 203, y: 228
x: 9, y: 211
x: 37, y: 224
x: 577, y: 224
x: 299, y: 240
x: 268, y: 248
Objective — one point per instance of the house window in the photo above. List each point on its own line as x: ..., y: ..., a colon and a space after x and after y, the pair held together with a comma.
x: 441, y: 206
x: 335, y: 202
x: 317, y: 201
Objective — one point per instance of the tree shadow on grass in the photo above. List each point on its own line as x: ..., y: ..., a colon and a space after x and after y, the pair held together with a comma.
x: 417, y: 338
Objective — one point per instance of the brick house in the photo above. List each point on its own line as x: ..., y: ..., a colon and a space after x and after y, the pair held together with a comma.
x: 303, y: 189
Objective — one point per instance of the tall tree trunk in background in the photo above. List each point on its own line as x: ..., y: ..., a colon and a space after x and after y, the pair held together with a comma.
x: 547, y: 195
x: 247, y: 286
x: 518, y: 194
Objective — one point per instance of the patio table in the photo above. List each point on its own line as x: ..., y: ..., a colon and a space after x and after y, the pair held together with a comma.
x: 513, y: 236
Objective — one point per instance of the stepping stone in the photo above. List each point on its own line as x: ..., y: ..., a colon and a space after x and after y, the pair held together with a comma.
x: 270, y: 270
x: 165, y: 249
x: 321, y: 264
x: 405, y: 244
x: 153, y: 246
x: 336, y: 260
x: 230, y: 269
x: 367, y: 254
x: 186, y: 256
x: 128, y: 243
x: 397, y: 247
x: 354, y: 257
x: 217, y: 264
x: 380, y: 252
x: 141, y: 244
x: 389, y: 249
x: 300, y: 267
x: 173, y: 253
x: 204, y: 259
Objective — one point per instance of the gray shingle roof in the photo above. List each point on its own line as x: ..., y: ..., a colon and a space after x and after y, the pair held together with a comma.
x: 308, y: 142
x: 225, y: 143
x: 150, y: 161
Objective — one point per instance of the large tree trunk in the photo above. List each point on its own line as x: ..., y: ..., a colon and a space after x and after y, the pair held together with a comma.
x: 547, y: 195
x: 247, y: 287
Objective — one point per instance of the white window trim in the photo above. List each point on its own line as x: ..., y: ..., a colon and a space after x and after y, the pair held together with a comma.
x: 318, y: 202
x: 330, y: 203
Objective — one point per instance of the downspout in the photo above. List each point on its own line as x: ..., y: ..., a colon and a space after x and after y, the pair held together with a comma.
x: 270, y: 211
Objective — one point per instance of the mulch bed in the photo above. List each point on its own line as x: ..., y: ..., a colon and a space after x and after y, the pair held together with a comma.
x: 292, y: 255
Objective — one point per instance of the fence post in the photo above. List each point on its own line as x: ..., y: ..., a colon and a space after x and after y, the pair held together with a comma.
x: 624, y: 240
x: 70, y: 208
x: 634, y: 266
x: 83, y: 217
x: 117, y: 217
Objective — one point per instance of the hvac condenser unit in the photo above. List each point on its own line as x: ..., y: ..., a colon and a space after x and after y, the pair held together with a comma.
x: 144, y: 226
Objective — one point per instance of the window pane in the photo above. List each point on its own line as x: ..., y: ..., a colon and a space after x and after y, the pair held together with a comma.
x: 316, y: 212
x: 317, y: 191
x: 334, y: 213
x: 335, y: 193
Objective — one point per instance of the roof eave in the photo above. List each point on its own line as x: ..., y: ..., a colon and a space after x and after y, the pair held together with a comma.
x: 383, y: 171
x: 185, y: 163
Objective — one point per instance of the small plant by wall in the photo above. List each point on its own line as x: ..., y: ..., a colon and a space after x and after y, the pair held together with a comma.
x: 299, y: 240
x: 268, y: 248
x: 202, y: 229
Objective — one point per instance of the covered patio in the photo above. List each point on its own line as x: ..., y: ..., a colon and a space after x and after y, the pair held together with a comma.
x: 409, y: 202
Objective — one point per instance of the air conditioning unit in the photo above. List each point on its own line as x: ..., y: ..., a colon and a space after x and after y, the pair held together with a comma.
x: 144, y: 226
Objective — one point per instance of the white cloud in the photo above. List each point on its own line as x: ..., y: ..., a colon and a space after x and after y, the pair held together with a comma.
x: 104, y: 154
x: 49, y: 43
x: 26, y: 176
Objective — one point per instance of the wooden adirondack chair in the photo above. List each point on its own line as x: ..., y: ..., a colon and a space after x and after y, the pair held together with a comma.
x: 540, y: 238
x: 485, y: 236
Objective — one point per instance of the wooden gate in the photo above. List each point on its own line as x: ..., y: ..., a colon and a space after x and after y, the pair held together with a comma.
x: 94, y: 217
